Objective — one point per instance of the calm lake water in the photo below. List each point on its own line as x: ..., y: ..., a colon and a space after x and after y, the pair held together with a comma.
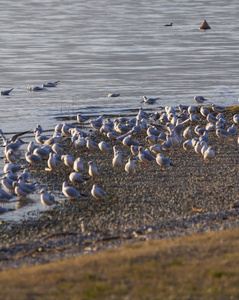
x: 97, y: 47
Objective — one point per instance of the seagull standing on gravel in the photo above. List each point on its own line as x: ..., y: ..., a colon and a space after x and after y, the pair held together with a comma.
x: 78, y: 165
x: 117, y: 161
x: 70, y: 192
x: 93, y: 170
x: 130, y: 166
x: 76, y: 178
x: 145, y: 157
x: 163, y: 161
x: 32, y: 158
x: 92, y: 145
x: 98, y: 193
x: 105, y: 147
x: 218, y: 109
x: 209, y: 154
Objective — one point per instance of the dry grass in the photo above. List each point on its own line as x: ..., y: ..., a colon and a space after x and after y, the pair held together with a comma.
x: 191, y: 267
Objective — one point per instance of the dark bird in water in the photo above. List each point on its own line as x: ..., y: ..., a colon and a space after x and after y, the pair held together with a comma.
x: 171, y: 24
x: 6, y: 93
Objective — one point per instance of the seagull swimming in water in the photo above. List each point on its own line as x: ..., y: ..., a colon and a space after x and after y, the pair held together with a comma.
x: 50, y: 84
x: 113, y: 95
x: 6, y: 93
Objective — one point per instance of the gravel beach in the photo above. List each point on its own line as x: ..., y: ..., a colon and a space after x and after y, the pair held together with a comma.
x: 189, y: 197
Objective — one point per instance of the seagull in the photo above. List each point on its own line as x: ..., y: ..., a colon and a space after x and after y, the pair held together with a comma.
x: 221, y: 133
x: 32, y: 158
x: 96, y: 124
x: 46, y: 198
x: 156, y: 149
x: 11, y: 156
x: 117, y: 161
x: 112, y: 135
x: 204, y: 111
x: 198, y: 148
x: 199, y: 99
x: 92, y: 145
x: 187, y: 133
x: 98, y: 193
x: 41, y: 152
x: 52, y: 162
x: 11, y: 167
x: 236, y: 118
x: 211, y: 118
x: 232, y: 129
x: 209, y: 154
x: 194, y: 118
x: 134, y: 150
x: 93, y: 170
x: 78, y: 165
x: 218, y: 109
x: 6, y: 93
x: 113, y: 95
x: 35, y: 88
x: 130, y: 166
x: 58, y: 148
x: 145, y: 157
x: 204, y: 147
x: 187, y: 145
x: 50, y: 84
x: 76, y: 178
x: 68, y: 160
x: 105, y: 147
x: 168, y: 144
x: 80, y: 143
x: 147, y: 100
x: 81, y: 119
x: 163, y: 161
x: 128, y: 141
x: 22, y: 192
x: 191, y: 109
x: 210, y: 127
x: 70, y: 192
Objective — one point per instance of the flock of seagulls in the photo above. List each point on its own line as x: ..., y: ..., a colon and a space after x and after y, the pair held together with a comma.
x: 33, y: 88
x: 163, y: 130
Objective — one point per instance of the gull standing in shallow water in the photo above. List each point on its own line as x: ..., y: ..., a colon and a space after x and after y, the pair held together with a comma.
x: 46, y: 198
x: 199, y: 99
x: 70, y: 192
x: 98, y: 193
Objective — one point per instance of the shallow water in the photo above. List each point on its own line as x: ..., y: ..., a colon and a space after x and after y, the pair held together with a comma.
x: 98, y: 47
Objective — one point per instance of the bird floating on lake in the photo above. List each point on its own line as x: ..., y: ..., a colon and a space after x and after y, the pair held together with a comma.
x: 113, y: 95
x: 171, y: 24
x: 6, y: 93
x: 50, y: 84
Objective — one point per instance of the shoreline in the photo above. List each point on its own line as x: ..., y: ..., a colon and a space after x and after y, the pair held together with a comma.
x: 192, y: 197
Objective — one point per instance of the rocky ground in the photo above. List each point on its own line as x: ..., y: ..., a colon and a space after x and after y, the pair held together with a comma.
x: 192, y: 196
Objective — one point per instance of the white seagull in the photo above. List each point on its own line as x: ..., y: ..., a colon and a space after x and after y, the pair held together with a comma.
x: 70, y: 192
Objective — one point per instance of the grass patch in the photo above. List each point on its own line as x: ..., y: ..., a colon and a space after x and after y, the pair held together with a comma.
x: 199, y: 266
